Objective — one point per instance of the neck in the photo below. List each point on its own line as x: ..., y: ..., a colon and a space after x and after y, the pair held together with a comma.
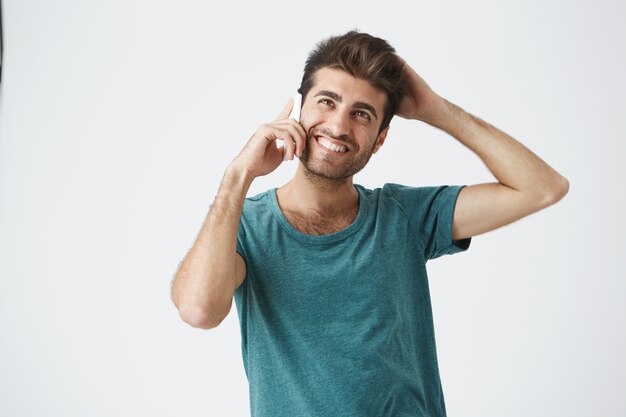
x: 310, y: 193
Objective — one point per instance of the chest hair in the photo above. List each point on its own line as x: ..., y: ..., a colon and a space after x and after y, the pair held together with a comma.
x: 314, y: 224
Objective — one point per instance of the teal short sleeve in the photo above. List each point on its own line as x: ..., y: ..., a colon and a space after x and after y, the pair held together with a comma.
x: 437, y: 224
x: 240, y: 246
x: 241, y: 237
x: 430, y: 211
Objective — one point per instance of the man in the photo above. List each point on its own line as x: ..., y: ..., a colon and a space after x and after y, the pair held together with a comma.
x: 329, y: 277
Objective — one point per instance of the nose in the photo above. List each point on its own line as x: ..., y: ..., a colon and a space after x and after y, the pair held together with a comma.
x: 339, y: 122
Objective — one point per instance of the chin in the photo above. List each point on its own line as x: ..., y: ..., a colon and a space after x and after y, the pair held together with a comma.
x: 322, y: 170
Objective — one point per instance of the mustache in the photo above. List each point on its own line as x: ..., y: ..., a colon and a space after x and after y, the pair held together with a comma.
x: 325, y: 132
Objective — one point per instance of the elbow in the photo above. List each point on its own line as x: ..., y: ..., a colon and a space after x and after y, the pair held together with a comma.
x: 552, y: 193
x: 549, y: 194
x: 560, y: 189
x: 199, y: 313
x: 200, y: 318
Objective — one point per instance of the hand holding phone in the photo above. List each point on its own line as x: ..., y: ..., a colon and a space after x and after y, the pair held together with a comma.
x: 261, y: 155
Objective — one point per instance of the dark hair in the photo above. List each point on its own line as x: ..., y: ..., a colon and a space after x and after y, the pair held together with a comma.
x: 363, y: 56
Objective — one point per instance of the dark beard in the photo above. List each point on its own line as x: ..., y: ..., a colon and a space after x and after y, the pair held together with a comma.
x: 325, y: 177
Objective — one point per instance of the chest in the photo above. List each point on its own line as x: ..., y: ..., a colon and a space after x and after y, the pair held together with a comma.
x: 370, y: 274
x: 320, y: 225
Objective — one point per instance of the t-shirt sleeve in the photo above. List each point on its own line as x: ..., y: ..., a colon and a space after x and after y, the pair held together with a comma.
x: 240, y: 241
x: 241, y: 244
x: 431, y: 210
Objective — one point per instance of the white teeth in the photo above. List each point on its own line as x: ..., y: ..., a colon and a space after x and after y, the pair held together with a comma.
x: 329, y: 145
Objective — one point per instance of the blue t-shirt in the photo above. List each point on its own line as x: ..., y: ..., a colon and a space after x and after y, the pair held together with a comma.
x: 341, y: 324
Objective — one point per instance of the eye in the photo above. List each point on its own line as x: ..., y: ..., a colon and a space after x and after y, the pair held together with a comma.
x: 326, y: 102
x: 362, y: 114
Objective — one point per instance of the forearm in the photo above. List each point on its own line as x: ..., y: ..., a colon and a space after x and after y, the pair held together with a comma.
x: 205, y: 282
x: 508, y: 160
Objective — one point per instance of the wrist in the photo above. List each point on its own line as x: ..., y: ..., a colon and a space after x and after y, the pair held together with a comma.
x: 444, y: 115
x: 237, y: 174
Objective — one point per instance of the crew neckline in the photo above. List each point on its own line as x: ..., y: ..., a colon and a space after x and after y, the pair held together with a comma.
x: 321, y: 239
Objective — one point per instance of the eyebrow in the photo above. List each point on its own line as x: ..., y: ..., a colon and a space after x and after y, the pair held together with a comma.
x: 357, y: 105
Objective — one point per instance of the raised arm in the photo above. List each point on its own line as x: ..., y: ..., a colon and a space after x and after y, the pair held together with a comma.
x: 212, y: 270
x: 206, y: 280
x: 526, y: 183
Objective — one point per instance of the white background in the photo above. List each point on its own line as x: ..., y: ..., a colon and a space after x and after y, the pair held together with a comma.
x: 118, y: 118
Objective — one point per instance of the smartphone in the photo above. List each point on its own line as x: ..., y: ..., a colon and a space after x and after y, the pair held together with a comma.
x: 295, y: 112
x: 297, y: 103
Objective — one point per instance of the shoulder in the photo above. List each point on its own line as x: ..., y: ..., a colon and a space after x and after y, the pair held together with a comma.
x: 415, y: 199
x: 390, y: 198
x: 419, y: 195
x: 256, y: 201
x: 402, y: 195
x: 257, y: 209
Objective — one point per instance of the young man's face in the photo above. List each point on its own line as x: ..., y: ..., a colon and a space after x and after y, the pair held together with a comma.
x: 342, y: 113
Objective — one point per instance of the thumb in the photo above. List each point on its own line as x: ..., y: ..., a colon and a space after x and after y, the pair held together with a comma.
x: 286, y: 110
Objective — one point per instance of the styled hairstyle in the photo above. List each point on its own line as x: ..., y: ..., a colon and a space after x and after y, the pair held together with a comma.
x: 362, y: 56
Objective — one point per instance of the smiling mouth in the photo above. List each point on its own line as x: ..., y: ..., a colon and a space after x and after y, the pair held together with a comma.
x: 327, y: 144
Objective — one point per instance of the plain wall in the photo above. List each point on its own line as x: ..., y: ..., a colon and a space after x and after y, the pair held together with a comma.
x: 118, y: 118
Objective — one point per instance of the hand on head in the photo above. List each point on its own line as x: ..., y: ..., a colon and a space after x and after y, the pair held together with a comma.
x: 420, y: 99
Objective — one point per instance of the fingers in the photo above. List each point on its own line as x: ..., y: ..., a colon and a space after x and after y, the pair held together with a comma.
x: 260, y: 155
x: 289, y: 131
x: 294, y: 138
x: 286, y: 111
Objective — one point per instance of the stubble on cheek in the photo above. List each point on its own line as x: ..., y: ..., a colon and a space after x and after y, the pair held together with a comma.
x: 308, y: 144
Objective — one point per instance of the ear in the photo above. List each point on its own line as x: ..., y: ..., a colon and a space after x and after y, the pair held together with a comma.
x: 380, y: 139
